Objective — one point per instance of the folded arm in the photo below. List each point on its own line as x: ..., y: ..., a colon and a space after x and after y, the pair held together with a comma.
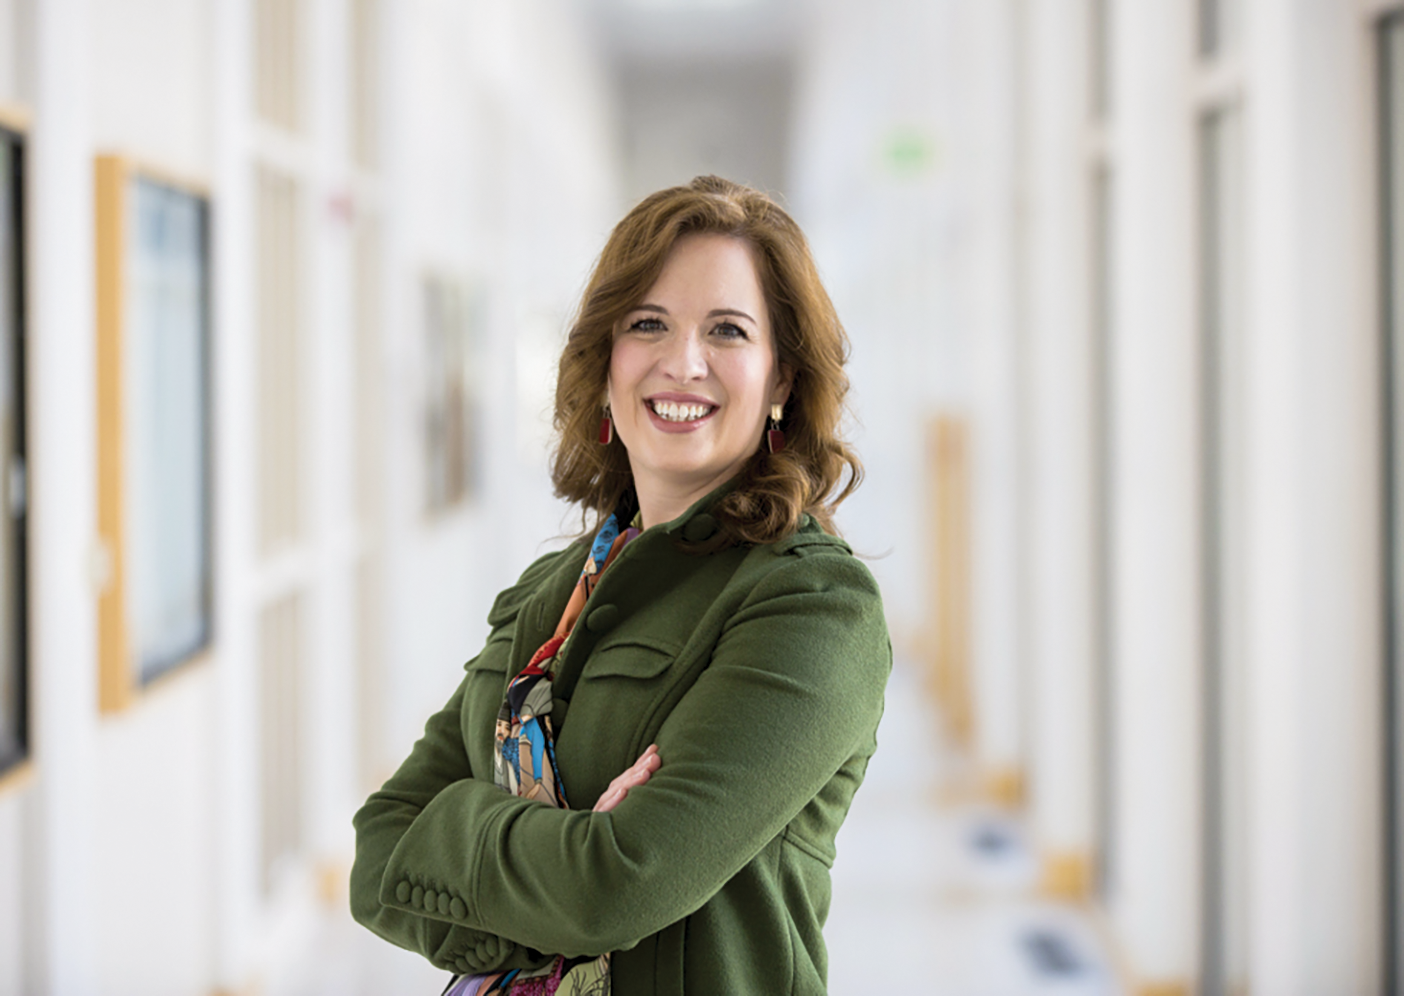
x: 793, y: 690
x: 437, y: 761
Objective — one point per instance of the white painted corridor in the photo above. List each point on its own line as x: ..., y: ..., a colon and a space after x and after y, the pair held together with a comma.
x: 1123, y: 282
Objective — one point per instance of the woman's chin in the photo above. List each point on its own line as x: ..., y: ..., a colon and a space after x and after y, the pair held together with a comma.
x: 683, y: 475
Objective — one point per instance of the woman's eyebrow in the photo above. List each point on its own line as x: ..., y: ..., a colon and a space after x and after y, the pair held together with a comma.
x: 721, y: 312
x: 714, y: 313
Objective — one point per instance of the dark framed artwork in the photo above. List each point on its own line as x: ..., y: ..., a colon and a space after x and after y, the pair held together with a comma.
x: 1390, y: 82
x: 154, y: 501
x: 14, y: 652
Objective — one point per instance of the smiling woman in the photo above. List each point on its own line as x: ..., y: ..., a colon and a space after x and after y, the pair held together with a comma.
x: 724, y: 684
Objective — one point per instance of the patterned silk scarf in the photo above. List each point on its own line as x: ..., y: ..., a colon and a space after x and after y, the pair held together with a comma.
x: 524, y: 763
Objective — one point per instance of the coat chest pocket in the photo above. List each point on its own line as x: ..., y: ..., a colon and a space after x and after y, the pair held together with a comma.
x: 494, y: 657
x: 641, y: 658
x: 622, y: 683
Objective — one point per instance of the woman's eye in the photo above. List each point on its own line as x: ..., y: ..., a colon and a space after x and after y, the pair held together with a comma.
x: 728, y: 331
x: 646, y: 325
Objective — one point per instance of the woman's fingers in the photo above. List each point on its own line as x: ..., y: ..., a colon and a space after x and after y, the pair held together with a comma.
x: 637, y: 774
x: 612, y: 797
x: 646, y: 765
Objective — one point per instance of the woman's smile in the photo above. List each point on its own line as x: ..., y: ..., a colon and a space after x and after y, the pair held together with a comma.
x: 679, y: 412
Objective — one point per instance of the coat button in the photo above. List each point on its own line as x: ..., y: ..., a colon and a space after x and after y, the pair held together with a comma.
x: 431, y: 901
x: 700, y: 528
x: 606, y: 617
x: 417, y: 896
x: 402, y: 892
x: 457, y: 909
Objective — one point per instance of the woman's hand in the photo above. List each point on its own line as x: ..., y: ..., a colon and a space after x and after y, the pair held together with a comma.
x: 642, y: 770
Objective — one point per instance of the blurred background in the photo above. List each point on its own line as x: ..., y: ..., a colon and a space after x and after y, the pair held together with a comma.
x: 282, y: 287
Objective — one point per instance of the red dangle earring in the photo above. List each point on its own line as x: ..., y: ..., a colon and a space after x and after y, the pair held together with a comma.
x: 775, y: 436
x: 606, y: 427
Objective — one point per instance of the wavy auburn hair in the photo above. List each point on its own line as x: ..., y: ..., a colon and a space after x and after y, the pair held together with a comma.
x: 773, y: 489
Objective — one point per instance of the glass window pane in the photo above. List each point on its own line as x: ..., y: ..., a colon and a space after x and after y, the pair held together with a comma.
x: 282, y: 521
x: 365, y: 78
x: 277, y: 65
x: 167, y: 499
x: 1218, y: 27
x: 1101, y: 24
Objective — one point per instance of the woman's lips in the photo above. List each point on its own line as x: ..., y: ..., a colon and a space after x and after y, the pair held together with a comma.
x: 680, y: 414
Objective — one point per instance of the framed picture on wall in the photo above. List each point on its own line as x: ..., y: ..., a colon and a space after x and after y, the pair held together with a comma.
x: 154, y: 493
x: 14, y: 655
x: 452, y: 391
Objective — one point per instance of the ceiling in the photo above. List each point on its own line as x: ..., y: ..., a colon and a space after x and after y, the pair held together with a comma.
x: 703, y: 86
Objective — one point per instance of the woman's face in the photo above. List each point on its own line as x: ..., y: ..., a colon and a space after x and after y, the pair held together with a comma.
x: 693, y: 371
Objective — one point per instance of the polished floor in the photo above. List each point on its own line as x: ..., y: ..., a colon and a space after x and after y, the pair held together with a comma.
x: 940, y: 899
x: 928, y: 898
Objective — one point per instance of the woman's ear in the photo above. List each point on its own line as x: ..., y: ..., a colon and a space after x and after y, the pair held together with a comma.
x: 785, y: 379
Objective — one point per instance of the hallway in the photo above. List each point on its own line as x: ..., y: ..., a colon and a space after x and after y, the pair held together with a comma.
x: 283, y: 289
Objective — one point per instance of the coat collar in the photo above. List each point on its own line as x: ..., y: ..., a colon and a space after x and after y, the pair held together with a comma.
x: 697, y: 524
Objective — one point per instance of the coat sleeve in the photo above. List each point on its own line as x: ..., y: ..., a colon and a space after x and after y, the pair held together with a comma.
x: 794, y: 689
x: 437, y: 762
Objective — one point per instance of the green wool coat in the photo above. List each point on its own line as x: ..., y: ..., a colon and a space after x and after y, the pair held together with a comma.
x: 759, y: 672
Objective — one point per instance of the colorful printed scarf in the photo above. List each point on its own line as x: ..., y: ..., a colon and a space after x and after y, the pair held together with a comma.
x: 524, y: 763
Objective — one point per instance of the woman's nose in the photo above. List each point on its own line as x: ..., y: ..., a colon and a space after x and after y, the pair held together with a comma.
x: 685, y: 357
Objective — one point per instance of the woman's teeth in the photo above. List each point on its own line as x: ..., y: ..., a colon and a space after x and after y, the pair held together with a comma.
x: 672, y: 411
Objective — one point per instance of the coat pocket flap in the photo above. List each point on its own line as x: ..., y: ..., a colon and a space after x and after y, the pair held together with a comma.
x: 631, y: 657
x: 494, y: 656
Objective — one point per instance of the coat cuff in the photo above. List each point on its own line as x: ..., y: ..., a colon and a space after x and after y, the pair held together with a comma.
x: 433, y: 871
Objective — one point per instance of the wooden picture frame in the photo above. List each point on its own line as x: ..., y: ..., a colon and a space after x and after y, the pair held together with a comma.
x: 154, y: 410
x: 15, y: 710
